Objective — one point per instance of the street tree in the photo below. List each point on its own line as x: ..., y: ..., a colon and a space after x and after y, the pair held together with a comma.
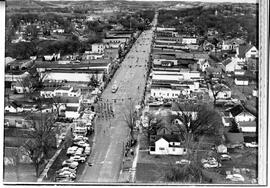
x: 41, y: 139
x: 129, y: 116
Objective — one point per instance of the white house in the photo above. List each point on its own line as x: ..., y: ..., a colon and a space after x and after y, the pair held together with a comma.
x: 244, y: 116
x: 60, y: 92
x: 98, y: 47
x: 230, y: 65
x: 248, y: 127
x: 223, y: 91
x: 203, y: 64
x: 162, y: 61
x: 72, y: 112
x: 243, y: 52
x: 241, y: 81
x: 168, y: 145
x: 12, y: 107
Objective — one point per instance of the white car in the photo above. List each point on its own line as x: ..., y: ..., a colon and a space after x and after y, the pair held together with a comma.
x: 80, y: 137
x: 235, y: 177
x: 87, y: 150
x: 66, y: 169
x: 183, y: 162
x: 72, y: 150
x: 225, y: 157
x: 67, y: 174
x: 211, y: 165
x: 79, y: 151
x: 81, y: 143
x: 78, y: 158
x: 251, y: 145
x: 70, y: 163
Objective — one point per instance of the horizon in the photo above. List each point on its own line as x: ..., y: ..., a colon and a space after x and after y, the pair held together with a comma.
x: 203, y: 1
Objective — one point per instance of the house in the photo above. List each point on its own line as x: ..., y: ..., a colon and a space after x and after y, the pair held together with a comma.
x: 189, y: 40
x: 231, y: 44
x: 240, y: 114
x: 72, y: 112
x: 52, y: 57
x: 13, y: 107
x: 92, y: 55
x: 241, y: 81
x: 203, y: 64
x: 239, y: 72
x: 20, y: 64
x: 98, y: 48
x: 243, y: 52
x: 248, y: 126
x: 208, y: 46
x: 230, y: 65
x: 15, y: 155
x: 167, y: 145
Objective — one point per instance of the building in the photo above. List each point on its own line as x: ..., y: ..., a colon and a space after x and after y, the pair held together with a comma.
x: 243, y: 52
x: 79, y: 72
x: 20, y: 65
x: 222, y: 91
x: 167, y: 145
x: 230, y: 65
x: 240, y: 114
x: 241, y: 81
x: 98, y: 48
x: 111, y: 53
x: 232, y: 44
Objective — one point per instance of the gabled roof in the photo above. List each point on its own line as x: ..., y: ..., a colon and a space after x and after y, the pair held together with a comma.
x: 169, y: 138
x: 236, y: 110
x: 227, y: 61
x: 243, y: 49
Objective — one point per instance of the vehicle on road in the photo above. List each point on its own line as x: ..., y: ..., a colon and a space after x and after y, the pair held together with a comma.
x: 59, y: 178
x: 235, y: 177
x: 68, y: 174
x: 211, y: 165
x: 81, y: 143
x: 114, y: 87
x: 79, y: 151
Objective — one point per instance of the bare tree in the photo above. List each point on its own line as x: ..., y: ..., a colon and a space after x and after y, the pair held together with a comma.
x: 41, y: 139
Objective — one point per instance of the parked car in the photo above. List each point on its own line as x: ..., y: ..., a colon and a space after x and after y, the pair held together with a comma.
x: 211, y: 165
x: 225, y: 157
x: 87, y: 150
x: 80, y: 137
x: 183, y: 162
x: 235, y: 177
x: 66, y: 169
x: 62, y: 136
x: 72, y: 150
x: 251, y: 145
x: 81, y: 143
x: 59, y: 178
x: 70, y: 163
x: 68, y: 174
x: 79, y: 151
x: 78, y: 158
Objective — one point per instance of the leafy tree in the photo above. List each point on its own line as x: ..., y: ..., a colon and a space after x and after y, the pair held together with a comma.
x: 129, y: 116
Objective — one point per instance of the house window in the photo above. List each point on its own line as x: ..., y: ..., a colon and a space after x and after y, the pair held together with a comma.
x: 167, y: 94
x: 161, y: 148
x: 154, y: 94
x: 173, y: 149
x: 185, y: 150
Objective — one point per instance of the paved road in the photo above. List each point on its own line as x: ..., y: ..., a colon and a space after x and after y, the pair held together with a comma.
x: 112, y: 134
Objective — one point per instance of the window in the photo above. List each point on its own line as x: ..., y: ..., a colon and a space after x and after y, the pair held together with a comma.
x: 161, y: 148
x: 167, y: 94
x: 154, y: 94
x: 173, y: 149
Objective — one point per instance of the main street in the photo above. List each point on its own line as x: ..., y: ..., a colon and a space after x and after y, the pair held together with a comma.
x: 111, y: 134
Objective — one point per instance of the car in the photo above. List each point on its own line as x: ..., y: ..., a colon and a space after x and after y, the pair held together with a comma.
x: 78, y: 158
x: 79, y: 151
x: 209, y: 159
x: 251, y: 145
x: 87, y: 150
x: 81, y: 143
x: 115, y: 87
x: 63, y: 179
x: 72, y: 150
x: 70, y: 163
x: 235, y: 177
x: 66, y: 169
x: 211, y: 165
x: 68, y: 174
x: 183, y: 162
x: 225, y: 157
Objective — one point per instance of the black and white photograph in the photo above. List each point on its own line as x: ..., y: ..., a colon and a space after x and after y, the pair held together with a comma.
x: 134, y: 92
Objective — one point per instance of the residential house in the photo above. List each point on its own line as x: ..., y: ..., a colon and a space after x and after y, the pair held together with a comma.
x: 230, y: 65
x: 208, y: 46
x: 239, y: 72
x: 53, y: 57
x: 231, y: 44
x: 13, y: 107
x: 72, y: 112
x: 168, y: 145
x: 243, y: 52
x: 203, y: 64
x: 98, y: 48
x: 20, y: 65
x: 240, y: 114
